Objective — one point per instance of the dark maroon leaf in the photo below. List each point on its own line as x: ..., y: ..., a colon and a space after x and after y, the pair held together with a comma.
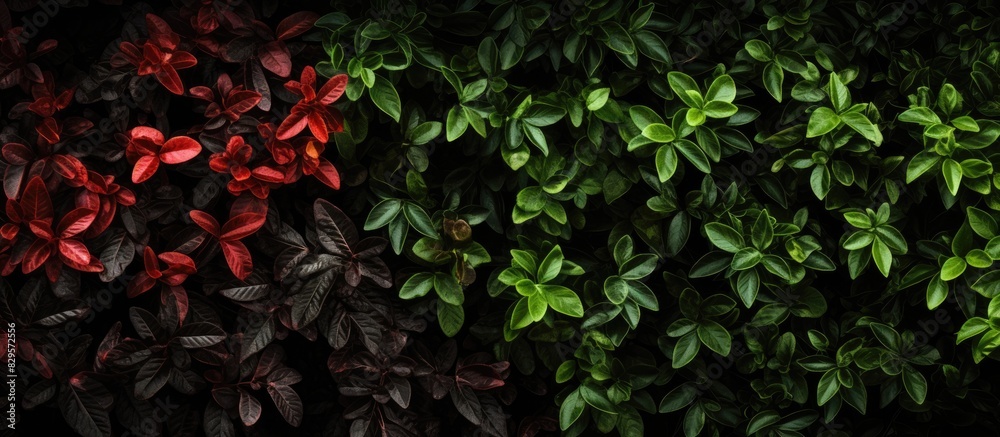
x: 84, y: 404
x: 152, y: 377
x: 216, y: 422
x: 116, y: 252
x: 334, y: 229
x: 399, y: 390
x: 250, y: 408
x: 247, y: 293
x: 39, y: 393
x: 145, y: 323
x: 310, y: 299
x: 467, y: 403
x: 258, y: 335
x: 199, y: 335
x: 288, y: 403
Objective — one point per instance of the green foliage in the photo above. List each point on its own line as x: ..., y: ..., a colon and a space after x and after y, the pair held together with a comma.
x: 808, y: 197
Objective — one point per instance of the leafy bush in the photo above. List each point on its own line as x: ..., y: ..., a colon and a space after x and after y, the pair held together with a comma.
x: 502, y: 218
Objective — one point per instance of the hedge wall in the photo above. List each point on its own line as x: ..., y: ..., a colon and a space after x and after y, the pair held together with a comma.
x: 492, y: 218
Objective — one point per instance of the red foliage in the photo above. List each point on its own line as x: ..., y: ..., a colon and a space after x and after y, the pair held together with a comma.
x: 312, y: 109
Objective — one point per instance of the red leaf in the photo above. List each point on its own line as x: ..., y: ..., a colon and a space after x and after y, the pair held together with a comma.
x: 318, y: 127
x: 333, y: 89
x: 17, y: 154
x: 268, y: 174
x: 179, y: 149
x: 35, y: 202
x: 141, y: 283
x: 274, y: 56
x: 182, y: 60
x: 144, y: 169
x: 49, y: 130
x: 202, y: 92
x: 168, y: 76
x: 67, y: 166
x: 147, y: 133
x: 160, y: 32
x: 293, y: 124
x: 242, y: 101
x: 206, y: 222
x: 296, y: 24
x: 151, y: 263
x: 36, y: 255
x: 238, y: 258
x: 327, y: 174
x: 75, y: 222
x: 74, y: 251
x: 242, y: 225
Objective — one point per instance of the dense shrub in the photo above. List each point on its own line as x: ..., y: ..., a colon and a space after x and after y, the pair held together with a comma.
x: 502, y: 218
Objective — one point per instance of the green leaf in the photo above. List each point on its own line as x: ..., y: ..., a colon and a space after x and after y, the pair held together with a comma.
x: 384, y: 96
x: 562, y: 300
x: 762, y: 420
x: 828, y: 387
x: 774, y: 77
x: 425, y: 132
x: 762, y: 232
x: 822, y: 121
x: 724, y: 237
x: 521, y: 316
x: 571, y: 409
x: 616, y: 289
x: 666, y: 162
x: 618, y: 38
x: 417, y: 285
x: 971, y: 328
x: 597, y: 397
x: 694, y: 155
x: 383, y: 213
x: 597, y: 98
x: 965, y: 123
x: 680, y: 83
x: 680, y: 397
x: 643, y: 116
x: 920, y: 164
x: 840, y: 96
x: 819, y: 181
x: 658, y: 132
x: 863, y: 126
x: 448, y: 288
x: 747, y: 286
x: 488, y: 55
x: 719, y: 109
x: 937, y: 292
x: 952, y: 172
x: 759, y: 50
x: 858, y: 220
x: 982, y: 222
x: 685, y: 350
x: 450, y: 318
x: 638, y: 266
x: 456, y: 124
x: 915, y: 384
x: 746, y: 258
x: 882, y: 256
x: 532, y: 199
x: 695, y: 117
x: 537, y: 306
x: 922, y: 116
x: 419, y: 219
x: 715, y: 337
x: 723, y: 89
x: 551, y: 266
x: 953, y: 268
